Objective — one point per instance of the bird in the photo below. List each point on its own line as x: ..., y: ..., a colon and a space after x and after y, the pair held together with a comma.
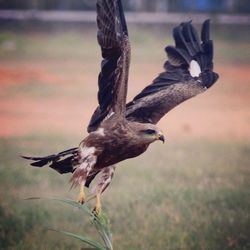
x: 119, y: 130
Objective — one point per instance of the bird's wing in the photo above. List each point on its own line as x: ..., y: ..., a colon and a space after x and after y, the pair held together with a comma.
x: 113, y: 39
x: 188, y: 72
x: 61, y: 162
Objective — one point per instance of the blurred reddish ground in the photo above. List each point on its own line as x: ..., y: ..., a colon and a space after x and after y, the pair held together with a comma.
x: 223, y: 112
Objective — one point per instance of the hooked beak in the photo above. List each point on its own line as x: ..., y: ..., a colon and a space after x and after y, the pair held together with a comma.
x: 161, y: 138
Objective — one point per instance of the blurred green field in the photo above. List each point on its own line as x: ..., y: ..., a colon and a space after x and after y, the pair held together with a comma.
x: 186, y: 195
x: 191, y: 193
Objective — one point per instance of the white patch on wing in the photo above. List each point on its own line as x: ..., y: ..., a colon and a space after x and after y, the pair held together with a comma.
x: 194, y: 68
x: 100, y: 131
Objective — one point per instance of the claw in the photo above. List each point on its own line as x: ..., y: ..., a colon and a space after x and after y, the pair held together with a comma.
x: 81, y: 199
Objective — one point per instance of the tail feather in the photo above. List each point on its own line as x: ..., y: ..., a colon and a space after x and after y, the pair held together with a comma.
x: 56, y: 162
x: 39, y: 161
x: 64, y: 166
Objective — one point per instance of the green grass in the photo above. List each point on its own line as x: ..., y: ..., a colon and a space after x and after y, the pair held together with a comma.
x: 185, y: 195
x: 100, y: 222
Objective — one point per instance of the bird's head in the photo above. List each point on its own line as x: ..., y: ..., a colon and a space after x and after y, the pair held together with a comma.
x: 150, y: 133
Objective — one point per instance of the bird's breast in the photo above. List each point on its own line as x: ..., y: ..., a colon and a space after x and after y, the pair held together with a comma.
x: 113, y: 154
x: 113, y: 146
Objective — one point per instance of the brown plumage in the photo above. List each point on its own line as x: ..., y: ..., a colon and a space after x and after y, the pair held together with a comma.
x: 118, y: 131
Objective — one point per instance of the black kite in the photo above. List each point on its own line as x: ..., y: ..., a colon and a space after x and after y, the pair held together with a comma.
x: 118, y: 131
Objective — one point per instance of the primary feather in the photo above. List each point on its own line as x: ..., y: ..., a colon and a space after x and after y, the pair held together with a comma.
x: 112, y: 37
x: 188, y: 72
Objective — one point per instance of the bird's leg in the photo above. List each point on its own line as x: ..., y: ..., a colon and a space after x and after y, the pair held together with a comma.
x: 79, y: 178
x: 103, y: 182
x: 98, y: 206
x: 82, y: 196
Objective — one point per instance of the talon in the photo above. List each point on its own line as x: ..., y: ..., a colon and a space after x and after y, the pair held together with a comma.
x: 82, y: 197
x: 98, y: 207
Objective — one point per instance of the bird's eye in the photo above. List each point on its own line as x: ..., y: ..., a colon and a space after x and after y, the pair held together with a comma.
x: 149, y: 131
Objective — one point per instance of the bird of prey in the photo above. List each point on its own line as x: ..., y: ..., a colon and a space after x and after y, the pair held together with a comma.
x: 119, y: 130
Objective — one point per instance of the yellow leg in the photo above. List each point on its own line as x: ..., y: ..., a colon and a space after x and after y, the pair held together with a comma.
x: 82, y: 196
x: 98, y: 206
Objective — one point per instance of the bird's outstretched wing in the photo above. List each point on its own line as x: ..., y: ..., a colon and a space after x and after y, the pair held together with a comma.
x: 112, y: 37
x: 61, y: 162
x: 188, y: 72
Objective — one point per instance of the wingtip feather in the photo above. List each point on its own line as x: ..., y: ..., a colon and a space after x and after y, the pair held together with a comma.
x: 205, y: 30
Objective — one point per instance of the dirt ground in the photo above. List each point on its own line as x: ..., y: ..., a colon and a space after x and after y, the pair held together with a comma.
x: 222, y: 112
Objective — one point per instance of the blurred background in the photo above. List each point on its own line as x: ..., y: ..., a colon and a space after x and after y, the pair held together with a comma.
x: 190, y: 193
x: 219, y: 6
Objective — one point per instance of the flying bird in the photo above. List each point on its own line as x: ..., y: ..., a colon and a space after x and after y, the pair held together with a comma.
x: 119, y: 130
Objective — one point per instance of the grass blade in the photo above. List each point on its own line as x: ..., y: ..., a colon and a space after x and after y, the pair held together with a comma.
x: 100, y: 222
x: 88, y: 241
x: 67, y: 201
x: 102, y: 226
